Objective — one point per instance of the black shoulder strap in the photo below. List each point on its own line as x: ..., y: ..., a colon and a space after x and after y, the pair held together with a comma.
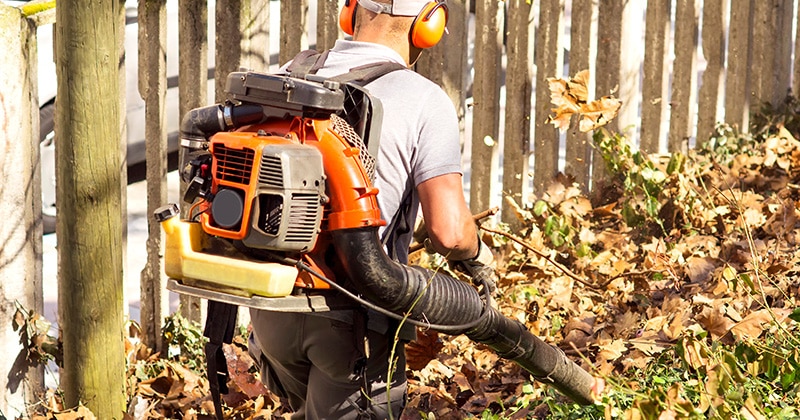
x: 306, y: 62
x: 220, y: 325
x: 310, y: 61
x: 368, y: 72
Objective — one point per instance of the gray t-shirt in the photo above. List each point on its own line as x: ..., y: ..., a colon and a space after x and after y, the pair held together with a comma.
x: 419, y: 134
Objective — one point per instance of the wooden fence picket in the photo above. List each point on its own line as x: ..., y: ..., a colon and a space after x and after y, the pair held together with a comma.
x: 654, y: 73
x: 581, y: 51
x: 737, y: 98
x: 713, y: 41
x: 517, y: 131
x: 548, y: 58
x: 489, y: 16
x: 682, y: 100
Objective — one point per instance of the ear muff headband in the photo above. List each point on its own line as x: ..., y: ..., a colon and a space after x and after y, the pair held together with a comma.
x: 426, y: 30
x: 429, y: 25
x: 347, y: 17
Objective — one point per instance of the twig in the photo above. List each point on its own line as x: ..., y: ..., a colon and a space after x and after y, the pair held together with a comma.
x: 563, y: 269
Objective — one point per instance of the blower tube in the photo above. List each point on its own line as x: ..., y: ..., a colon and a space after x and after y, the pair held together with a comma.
x: 442, y: 299
x: 201, y: 123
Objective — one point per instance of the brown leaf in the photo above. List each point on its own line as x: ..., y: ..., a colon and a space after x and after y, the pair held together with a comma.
x: 577, y: 86
x: 699, y: 269
x: 239, y: 366
x: 612, y: 350
x: 424, y: 349
x: 714, y: 322
x: 577, y: 332
x: 598, y: 113
x: 754, y: 324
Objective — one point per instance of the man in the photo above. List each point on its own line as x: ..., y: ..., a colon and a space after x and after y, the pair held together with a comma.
x: 313, y: 360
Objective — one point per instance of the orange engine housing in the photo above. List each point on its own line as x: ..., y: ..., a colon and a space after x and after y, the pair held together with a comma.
x: 283, y: 184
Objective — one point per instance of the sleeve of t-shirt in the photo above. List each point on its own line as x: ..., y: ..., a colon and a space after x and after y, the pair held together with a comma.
x: 438, y: 151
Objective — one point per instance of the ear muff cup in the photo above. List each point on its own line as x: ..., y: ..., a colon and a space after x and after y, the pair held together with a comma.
x: 347, y: 17
x: 429, y: 25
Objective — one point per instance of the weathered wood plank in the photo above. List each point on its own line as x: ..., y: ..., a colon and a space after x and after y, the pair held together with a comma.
x: 192, y: 93
x: 293, y: 35
x: 609, y: 38
x: 764, y: 42
x: 684, y: 77
x: 579, y: 147
x: 737, y: 97
x: 714, y: 52
x: 446, y: 63
x: 486, y: 110
x: 89, y: 228
x: 783, y: 50
x: 548, y: 59
x: 519, y: 80
x: 796, y: 66
x: 327, y: 24
x: 242, y: 38
x: 21, y: 206
x: 655, y: 78
x: 153, y: 89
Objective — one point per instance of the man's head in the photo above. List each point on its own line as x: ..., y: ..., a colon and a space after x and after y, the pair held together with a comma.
x: 423, y: 20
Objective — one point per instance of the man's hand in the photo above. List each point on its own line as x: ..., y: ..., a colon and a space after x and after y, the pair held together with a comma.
x: 480, y: 268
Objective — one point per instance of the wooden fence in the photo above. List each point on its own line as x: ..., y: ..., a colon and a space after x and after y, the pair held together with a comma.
x: 679, y: 66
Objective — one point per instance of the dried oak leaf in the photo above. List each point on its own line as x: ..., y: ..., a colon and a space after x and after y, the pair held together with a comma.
x: 239, y: 366
x: 567, y: 96
x: 756, y: 323
x: 424, y: 349
x: 714, y: 322
x: 598, y: 113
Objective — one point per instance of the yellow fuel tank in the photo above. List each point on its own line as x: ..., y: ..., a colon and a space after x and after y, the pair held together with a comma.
x: 186, y: 259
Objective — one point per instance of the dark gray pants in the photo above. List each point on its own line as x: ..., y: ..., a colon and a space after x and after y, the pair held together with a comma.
x: 310, y: 361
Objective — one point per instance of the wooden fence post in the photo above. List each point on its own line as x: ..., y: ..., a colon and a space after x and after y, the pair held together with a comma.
x: 446, y: 63
x: 655, y: 96
x: 764, y: 42
x: 21, y: 206
x: 609, y: 39
x: 192, y: 91
x: 123, y: 148
x: 519, y: 85
x: 783, y: 50
x: 153, y: 89
x: 327, y: 24
x: 582, y: 48
x: 242, y: 39
x: 294, y: 16
x: 796, y: 66
x: 486, y: 105
x: 89, y: 224
x: 684, y: 77
x: 714, y: 52
x: 737, y: 98
x: 548, y: 59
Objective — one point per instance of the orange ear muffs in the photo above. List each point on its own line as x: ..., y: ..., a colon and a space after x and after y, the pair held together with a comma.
x: 429, y: 25
x: 347, y: 17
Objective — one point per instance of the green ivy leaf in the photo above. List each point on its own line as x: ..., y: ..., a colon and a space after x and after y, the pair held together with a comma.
x: 540, y: 207
x: 795, y: 315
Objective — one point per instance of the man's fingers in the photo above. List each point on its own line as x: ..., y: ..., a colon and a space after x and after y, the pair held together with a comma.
x: 597, y: 388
